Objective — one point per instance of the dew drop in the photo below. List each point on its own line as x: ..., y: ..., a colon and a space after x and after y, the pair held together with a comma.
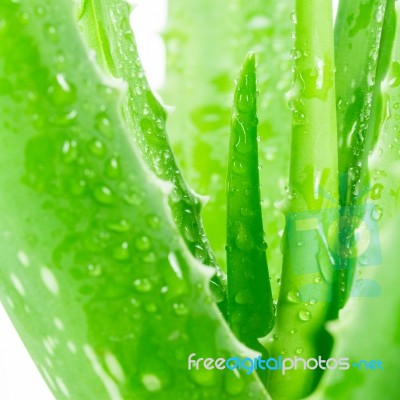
x: 51, y: 32
x: 132, y: 198
x: 244, y: 240
x: 153, y: 221
x: 376, y: 213
x: 97, y: 148
x: 121, y: 226
x: 364, y: 260
x: 78, y: 187
x: 376, y: 191
x: 103, y: 125
x: 149, y: 257
x: 70, y: 151
x: 180, y: 309
x: 143, y: 243
x: 142, y: 285
x: 104, y: 195
x: 246, y: 212
x: 122, y: 252
x: 317, y: 279
x: 245, y: 103
x: 94, y: 269
x: 244, y: 297
x: 293, y: 296
x: 243, y: 144
x: 238, y: 167
x: 61, y: 92
x: 305, y: 315
x: 189, y: 233
x: 113, y: 168
x: 200, y: 253
x: 151, y: 382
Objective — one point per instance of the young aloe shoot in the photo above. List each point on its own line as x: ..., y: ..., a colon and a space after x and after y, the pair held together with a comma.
x: 251, y: 311
x: 308, y: 266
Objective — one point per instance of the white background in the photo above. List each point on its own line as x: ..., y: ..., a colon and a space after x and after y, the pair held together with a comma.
x: 19, y: 379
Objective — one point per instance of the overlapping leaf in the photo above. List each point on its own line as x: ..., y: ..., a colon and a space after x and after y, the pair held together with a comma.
x: 93, y: 271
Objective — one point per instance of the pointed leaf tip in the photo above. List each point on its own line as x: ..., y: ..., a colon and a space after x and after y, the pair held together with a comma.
x: 249, y: 69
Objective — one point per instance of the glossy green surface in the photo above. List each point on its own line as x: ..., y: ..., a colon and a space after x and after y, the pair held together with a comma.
x: 103, y: 252
x: 107, y: 28
x: 364, y: 36
x: 94, y: 273
x: 251, y: 311
x: 206, y: 42
x: 308, y: 263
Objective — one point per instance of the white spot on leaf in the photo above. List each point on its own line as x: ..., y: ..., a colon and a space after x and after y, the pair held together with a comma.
x: 108, y: 382
x: 114, y: 367
x: 71, y: 347
x: 58, y: 323
x: 49, y: 280
x: 17, y: 284
x: 63, y: 388
x: 23, y: 258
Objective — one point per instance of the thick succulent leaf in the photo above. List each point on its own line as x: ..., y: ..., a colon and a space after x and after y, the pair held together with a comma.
x: 251, y: 309
x: 308, y: 263
x: 358, y: 34
x: 368, y: 328
x: 384, y: 161
x: 93, y: 272
x: 364, y: 37
x: 107, y: 29
x: 206, y: 42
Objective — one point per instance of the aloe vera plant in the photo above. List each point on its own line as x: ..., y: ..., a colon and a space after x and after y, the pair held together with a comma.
x: 307, y: 277
x: 251, y: 311
x: 87, y: 232
x: 206, y: 42
x: 104, y: 24
x: 106, y: 266
x: 359, y: 102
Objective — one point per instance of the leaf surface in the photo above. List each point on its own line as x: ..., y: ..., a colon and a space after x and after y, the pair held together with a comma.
x: 94, y: 273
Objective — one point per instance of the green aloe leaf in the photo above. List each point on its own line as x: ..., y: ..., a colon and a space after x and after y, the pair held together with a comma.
x: 108, y: 32
x: 358, y: 34
x: 95, y: 275
x: 384, y: 159
x: 369, y: 325
x: 205, y: 39
x: 364, y: 36
x: 369, y: 330
x: 308, y: 263
x: 251, y: 310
